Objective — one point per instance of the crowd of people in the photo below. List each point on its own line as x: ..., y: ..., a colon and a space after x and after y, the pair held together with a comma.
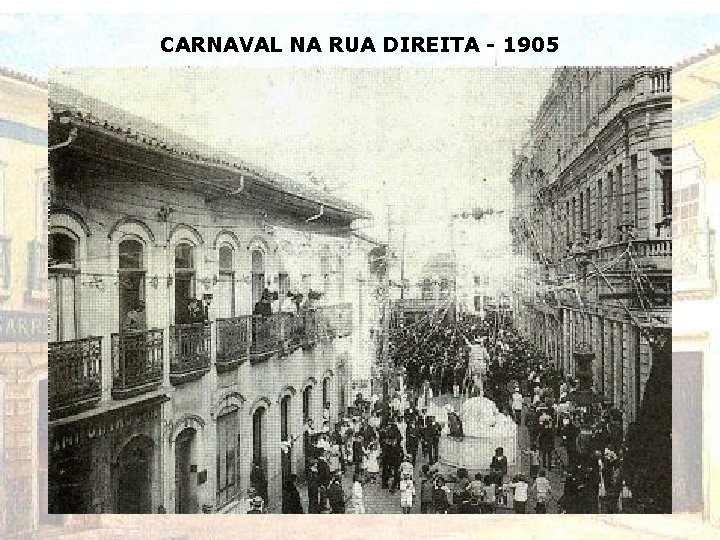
x: 393, y: 443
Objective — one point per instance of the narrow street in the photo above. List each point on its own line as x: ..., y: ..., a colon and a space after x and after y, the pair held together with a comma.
x: 381, y: 501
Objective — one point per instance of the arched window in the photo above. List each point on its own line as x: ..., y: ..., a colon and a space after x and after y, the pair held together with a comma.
x: 259, y: 456
x: 258, y: 275
x: 325, y: 274
x: 228, y: 439
x: 131, y: 281
x: 226, y: 292
x: 184, y: 281
x: 63, y: 269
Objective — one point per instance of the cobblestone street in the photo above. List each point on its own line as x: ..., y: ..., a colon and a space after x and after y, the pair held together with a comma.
x: 381, y: 501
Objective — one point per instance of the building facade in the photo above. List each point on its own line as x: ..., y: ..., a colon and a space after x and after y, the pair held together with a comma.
x: 592, y: 225
x: 169, y: 380
x: 696, y: 334
x: 23, y: 305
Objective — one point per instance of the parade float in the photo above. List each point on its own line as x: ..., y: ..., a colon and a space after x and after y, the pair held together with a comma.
x: 484, y: 429
x: 471, y: 436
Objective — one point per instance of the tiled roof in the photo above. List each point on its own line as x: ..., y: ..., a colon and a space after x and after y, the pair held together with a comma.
x: 712, y: 51
x: 12, y: 74
x: 67, y: 100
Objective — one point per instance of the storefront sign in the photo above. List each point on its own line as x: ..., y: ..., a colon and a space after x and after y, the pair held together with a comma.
x: 23, y: 327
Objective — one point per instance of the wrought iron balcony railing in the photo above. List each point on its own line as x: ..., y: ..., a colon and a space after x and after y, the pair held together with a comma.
x: 265, y: 337
x: 74, y: 375
x: 189, y: 351
x: 233, y: 342
x: 137, y: 362
x: 292, y: 331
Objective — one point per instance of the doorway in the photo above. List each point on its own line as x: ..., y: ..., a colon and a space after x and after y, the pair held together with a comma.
x: 186, y: 501
x: 286, y: 456
x: 133, y: 475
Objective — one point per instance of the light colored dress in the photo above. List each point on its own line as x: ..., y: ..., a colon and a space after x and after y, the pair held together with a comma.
x: 402, y: 427
x: 358, y: 500
x: 407, y: 492
x: 371, y: 461
x: 334, y: 461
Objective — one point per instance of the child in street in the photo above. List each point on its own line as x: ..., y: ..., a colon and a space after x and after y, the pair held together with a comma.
x: 357, y: 495
x: 520, y: 494
x: 490, y: 496
x: 407, y: 493
x: 372, y: 467
x: 543, y: 492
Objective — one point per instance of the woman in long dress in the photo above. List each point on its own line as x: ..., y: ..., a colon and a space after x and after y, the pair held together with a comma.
x: 407, y: 494
x: 402, y: 427
x: 372, y: 466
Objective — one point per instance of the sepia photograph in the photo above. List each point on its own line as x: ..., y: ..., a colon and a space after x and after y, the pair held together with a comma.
x: 360, y: 290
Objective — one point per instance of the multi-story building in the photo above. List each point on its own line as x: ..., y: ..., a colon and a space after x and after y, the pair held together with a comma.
x: 592, y: 224
x: 169, y: 377
x: 696, y: 333
x: 23, y: 304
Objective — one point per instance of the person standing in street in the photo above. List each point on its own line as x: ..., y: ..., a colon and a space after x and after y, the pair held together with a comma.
x: 426, y: 491
x: 498, y: 466
x: 543, y: 491
x: 517, y: 405
x: 357, y: 495
x: 412, y: 435
x: 291, y: 503
x: 313, y: 488
x: 336, y: 496
x: 358, y: 452
x: 435, y: 432
x: 546, y: 443
x: 407, y: 493
x: 520, y: 494
x: 569, y: 432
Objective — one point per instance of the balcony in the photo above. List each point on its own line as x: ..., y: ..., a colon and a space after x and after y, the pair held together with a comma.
x: 189, y: 352
x: 233, y: 341
x: 334, y: 321
x: 74, y: 375
x: 137, y: 362
x: 654, y: 255
x: 292, y: 332
x: 309, y: 322
x: 265, y: 337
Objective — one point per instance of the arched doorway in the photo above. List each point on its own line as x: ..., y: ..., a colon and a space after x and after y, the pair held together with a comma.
x: 133, y: 477
x: 131, y: 285
x: 286, y: 455
x: 307, y: 415
x: 184, y: 282
x: 258, y: 477
x: 186, y: 500
x: 63, y: 269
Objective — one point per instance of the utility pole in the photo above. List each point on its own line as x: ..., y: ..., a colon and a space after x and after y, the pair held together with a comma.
x: 402, y: 263
x: 388, y: 306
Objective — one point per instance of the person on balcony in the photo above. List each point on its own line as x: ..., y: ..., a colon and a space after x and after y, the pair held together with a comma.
x: 263, y: 307
x: 196, y: 311
x: 135, y: 318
